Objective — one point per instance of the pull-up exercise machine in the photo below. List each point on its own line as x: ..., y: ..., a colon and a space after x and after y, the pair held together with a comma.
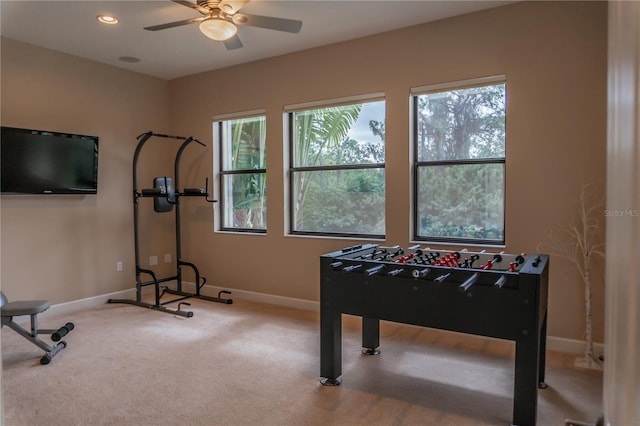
x: 166, y: 197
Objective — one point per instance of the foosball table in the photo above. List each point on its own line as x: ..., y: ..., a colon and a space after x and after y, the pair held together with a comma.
x: 488, y: 294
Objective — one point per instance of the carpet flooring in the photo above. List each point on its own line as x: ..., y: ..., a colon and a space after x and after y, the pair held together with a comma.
x: 258, y: 364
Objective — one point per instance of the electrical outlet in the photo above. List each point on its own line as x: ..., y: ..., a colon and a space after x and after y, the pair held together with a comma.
x: 153, y: 260
x: 167, y: 258
x: 119, y: 266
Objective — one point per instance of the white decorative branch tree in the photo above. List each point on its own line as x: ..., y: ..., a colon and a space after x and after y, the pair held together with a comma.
x: 579, y: 245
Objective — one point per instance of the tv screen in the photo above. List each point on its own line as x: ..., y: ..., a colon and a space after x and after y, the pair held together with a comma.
x: 42, y: 162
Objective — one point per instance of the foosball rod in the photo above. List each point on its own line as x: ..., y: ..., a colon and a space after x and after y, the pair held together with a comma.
x: 519, y: 261
x: 497, y: 258
x: 390, y: 255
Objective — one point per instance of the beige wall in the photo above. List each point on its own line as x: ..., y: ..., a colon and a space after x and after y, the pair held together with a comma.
x: 61, y: 247
x: 554, y: 57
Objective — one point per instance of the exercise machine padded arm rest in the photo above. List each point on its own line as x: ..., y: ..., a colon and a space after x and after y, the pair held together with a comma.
x: 152, y: 192
x: 197, y: 192
x: 194, y: 192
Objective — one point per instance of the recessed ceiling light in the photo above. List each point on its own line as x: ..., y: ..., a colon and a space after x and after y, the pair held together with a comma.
x: 107, y: 19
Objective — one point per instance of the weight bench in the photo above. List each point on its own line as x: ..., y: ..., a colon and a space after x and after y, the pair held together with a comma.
x: 33, y: 308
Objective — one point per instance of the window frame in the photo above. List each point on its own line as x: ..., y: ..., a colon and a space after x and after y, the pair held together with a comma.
x: 417, y: 165
x: 288, y: 115
x: 219, y: 141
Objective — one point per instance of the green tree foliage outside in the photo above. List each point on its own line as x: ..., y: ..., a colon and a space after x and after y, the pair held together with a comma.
x: 337, y: 199
x: 462, y: 124
x: 462, y: 201
x: 460, y: 146
x: 246, y: 193
x: 460, y: 151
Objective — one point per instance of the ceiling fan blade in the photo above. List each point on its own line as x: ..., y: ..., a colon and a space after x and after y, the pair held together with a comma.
x: 233, y: 43
x: 193, y: 6
x: 175, y: 24
x: 268, y: 22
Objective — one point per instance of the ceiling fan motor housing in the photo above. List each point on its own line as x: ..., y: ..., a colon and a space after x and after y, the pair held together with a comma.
x: 209, y: 4
x: 220, y: 17
x: 227, y: 6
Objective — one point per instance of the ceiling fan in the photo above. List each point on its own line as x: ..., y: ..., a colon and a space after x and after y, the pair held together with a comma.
x: 220, y: 18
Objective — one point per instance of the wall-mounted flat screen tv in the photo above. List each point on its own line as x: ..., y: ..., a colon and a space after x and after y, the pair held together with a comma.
x: 43, y: 162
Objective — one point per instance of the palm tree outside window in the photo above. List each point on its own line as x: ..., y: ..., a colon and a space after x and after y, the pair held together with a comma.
x: 336, y: 169
x: 242, y: 174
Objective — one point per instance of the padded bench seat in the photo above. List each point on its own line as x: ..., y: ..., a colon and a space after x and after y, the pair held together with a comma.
x: 24, y: 307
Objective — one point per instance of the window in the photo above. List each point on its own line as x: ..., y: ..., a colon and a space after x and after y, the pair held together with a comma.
x: 243, y: 173
x: 459, y: 161
x: 336, y: 169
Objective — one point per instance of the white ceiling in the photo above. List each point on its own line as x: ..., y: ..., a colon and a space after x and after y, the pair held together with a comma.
x: 71, y: 27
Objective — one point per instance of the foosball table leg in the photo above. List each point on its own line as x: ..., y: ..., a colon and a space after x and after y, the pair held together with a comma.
x: 525, y: 401
x: 370, y: 336
x: 543, y: 354
x: 330, y: 347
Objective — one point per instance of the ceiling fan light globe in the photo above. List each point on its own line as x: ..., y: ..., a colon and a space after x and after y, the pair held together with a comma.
x: 218, y: 29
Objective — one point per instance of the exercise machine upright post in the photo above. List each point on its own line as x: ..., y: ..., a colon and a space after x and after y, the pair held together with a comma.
x: 167, y: 195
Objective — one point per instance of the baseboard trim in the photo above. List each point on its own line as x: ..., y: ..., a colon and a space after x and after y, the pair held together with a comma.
x: 87, y: 303
x: 560, y: 344
x: 572, y: 346
x: 252, y: 296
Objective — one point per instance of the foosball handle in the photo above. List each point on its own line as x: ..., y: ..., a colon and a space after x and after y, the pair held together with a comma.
x: 442, y: 277
x: 420, y: 273
x: 395, y: 272
x: 374, y: 270
x: 351, y: 267
x: 470, y: 281
x: 500, y: 282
